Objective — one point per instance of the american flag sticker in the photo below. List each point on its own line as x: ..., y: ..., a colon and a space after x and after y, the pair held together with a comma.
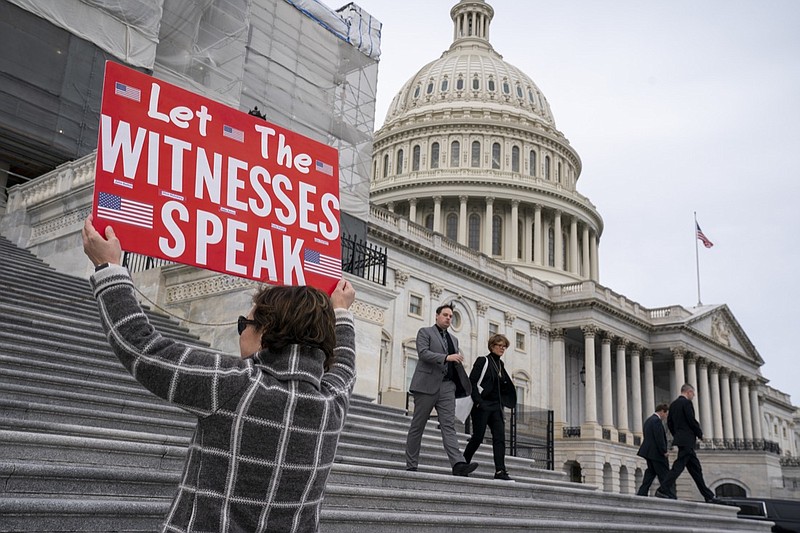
x: 126, y: 91
x: 232, y: 133
x: 325, y: 265
x: 115, y: 207
x: 325, y: 168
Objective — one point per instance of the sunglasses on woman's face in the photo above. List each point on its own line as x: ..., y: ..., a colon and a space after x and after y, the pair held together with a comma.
x: 242, y: 323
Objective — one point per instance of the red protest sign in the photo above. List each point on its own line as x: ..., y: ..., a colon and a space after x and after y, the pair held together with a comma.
x: 190, y: 180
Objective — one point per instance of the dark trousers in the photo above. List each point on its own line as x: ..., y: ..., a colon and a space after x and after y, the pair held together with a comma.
x: 494, y: 419
x: 687, y: 458
x: 655, y: 469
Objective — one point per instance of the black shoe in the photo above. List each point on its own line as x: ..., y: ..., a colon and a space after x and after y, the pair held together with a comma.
x: 411, y: 469
x: 715, y: 501
x: 464, y: 469
x: 502, y: 474
x: 665, y: 495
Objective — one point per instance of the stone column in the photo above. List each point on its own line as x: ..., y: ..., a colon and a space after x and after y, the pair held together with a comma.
x: 622, y: 386
x: 462, y: 220
x: 573, y: 246
x: 412, y: 210
x: 586, y: 266
x: 736, y: 405
x: 747, y: 420
x: 716, y: 405
x: 755, y: 411
x: 725, y: 390
x: 487, y: 226
x: 590, y: 405
x: 594, y: 245
x: 559, y: 379
x: 649, y: 388
x: 537, y: 234
x: 705, y: 401
x: 527, y: 236
x: 606, y: 390
x: 636, y: 390
x: 680, y: 377
x: 437, y: 214
x: 514, y: 244
x: 559, y: 246
x: 691, y: 378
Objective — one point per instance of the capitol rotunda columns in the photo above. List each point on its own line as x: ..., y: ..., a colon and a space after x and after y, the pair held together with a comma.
x: 590, y: 399
x: 705, y: 400
x: 725, y: 398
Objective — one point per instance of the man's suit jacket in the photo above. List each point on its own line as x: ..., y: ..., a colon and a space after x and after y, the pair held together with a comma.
x: 431, y: 366
x: 654, y: 444
x: 682, y: 423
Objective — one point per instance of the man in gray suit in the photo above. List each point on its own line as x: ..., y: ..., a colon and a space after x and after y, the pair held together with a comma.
x: 434, y: 385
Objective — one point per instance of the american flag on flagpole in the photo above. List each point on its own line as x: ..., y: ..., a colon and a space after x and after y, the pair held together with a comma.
x: 700, y: 235
x: 325, y: 265
x: 115, y: 207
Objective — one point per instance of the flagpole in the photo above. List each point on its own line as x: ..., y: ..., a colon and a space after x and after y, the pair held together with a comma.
x: 697, y: 260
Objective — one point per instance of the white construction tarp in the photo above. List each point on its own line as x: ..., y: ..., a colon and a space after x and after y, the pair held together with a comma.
x: 128, y: 29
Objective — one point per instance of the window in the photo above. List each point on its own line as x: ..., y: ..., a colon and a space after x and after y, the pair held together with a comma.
x: 547, y: 167
x: 435, y: 155
x: 451, y: 226
x: 399, y: 169
x: 429, y: 90
x: 564, y: 241
x: 530, y: 97
x: 455, y: 153
x: 455, y: 323
x: 429, y: 221
x: 415, y: 158
x: 460, y: 84
x: 520, y: 238
x: 385, y: 165
x: 493, y: 328
x: 475, y: 232
x: 520, y: 341
x: 490, y: 85
x: 558, y: 172
x: 515, y: 159
x: 415, y: 305
x: 506, y: 88
x: 532, y: 163
x: 496, y: 156
x: 476, y: 83
x: 551, y: 247
x: 445, y: 84
x: 375, y: 170
x: 476, y: 154
x: 497, y: 235
x: 416, y: 91
x: 519, y: 92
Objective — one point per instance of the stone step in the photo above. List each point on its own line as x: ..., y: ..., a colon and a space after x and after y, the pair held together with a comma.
x: 43, y: 515
x: 22, y: 276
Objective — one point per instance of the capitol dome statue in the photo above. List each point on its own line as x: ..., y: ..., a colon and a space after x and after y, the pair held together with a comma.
x: 470, y: 150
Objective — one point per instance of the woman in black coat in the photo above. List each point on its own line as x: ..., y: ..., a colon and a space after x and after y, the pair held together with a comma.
x: 492, y: 389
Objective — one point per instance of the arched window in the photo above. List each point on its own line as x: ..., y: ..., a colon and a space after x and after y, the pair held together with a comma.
x: 496, y: 156
x: 476, y: 154
x: 490, y: 85
x: 455, y: 153
x: 551, y: 247
x: 429, y: 90
x: 415, y: 158
x: 476, y: 83
x: 520, y: 238
x: 474, y: 232
x: 558, y: 172
x: 532, y: 163
x: 385, y: 165
x: 530, y: 97
x: 445, y: 84
x: 399, y: 169
x: 547, y: 167
x: 416, y: 91
x: 451, y: 226
x: 515, y: 159
x: 497, y: 235
x: 434, y: 163
x: 519, y: 92
x: 429, y: 221
x: 460, y: 84
x: 506, y: 88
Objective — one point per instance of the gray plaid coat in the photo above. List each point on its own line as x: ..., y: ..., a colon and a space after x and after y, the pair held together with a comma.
x: 267, y: 428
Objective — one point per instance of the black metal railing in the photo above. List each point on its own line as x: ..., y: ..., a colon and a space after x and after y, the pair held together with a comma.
x: 637, y: 440
x: 530, y: 435
x: 363, y: 259
x: 606, y: 434
x: 623, y: 438
x: 569, y: 432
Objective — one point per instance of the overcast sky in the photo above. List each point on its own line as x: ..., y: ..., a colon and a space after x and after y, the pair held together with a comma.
x: 674, y: 107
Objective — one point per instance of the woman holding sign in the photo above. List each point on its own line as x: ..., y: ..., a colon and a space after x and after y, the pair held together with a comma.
x: 268, y: 421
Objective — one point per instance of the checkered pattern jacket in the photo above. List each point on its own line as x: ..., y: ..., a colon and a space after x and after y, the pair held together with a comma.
x: 267, y: 428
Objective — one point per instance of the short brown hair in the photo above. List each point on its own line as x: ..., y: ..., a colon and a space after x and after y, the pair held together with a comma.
x: 662, y: 407
x: 295, y: 315
x: 497, y: 338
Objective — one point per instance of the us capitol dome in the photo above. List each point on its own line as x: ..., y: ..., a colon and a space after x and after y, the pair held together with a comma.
x: 470, y: 149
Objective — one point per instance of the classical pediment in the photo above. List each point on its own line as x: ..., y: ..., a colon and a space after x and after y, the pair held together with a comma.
x: 719, y: 324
